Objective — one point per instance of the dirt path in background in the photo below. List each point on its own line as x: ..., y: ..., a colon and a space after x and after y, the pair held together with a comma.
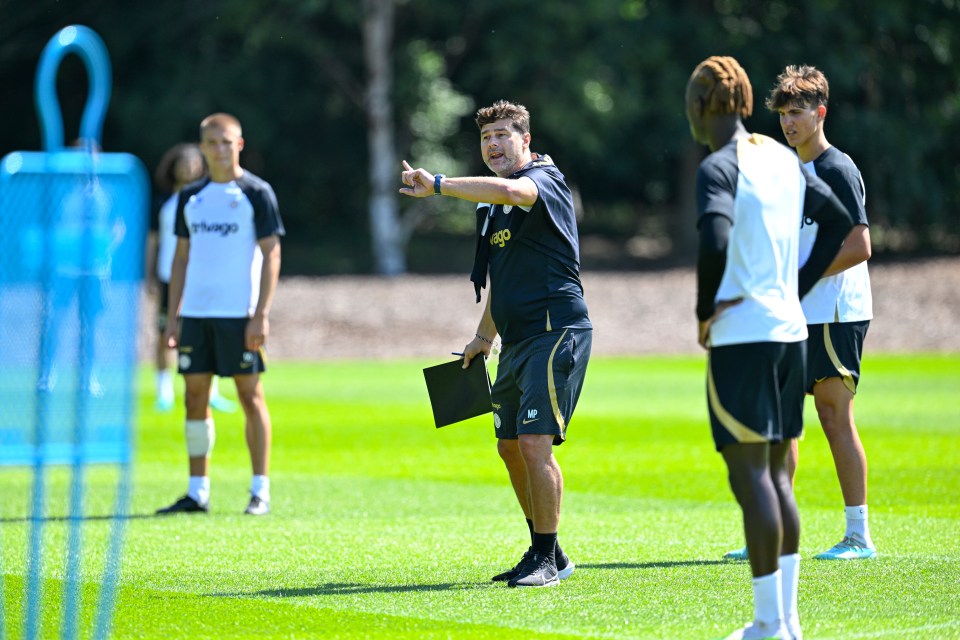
x: 916, y: 308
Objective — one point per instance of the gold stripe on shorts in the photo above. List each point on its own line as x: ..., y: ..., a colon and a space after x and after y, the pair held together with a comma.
x: 842, y: 370
x: 740, y: 431
x: 552, y: 387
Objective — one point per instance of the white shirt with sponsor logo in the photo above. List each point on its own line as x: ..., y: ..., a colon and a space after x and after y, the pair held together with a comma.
x: 224, y: 222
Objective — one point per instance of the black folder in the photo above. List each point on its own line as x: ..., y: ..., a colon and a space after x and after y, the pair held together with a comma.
x: 456, y: 393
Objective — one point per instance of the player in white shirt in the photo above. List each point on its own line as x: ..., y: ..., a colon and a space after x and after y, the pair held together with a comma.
x: 222, y: 283
x: 180, y: 165
x: 752, y: 194
x: 839, y: 307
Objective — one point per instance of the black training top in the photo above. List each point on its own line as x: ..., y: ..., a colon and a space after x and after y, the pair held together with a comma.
x: 837, y: 169
x: 535, y: 259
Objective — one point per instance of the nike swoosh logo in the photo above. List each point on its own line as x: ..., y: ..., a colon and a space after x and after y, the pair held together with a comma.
x: 529, y: 421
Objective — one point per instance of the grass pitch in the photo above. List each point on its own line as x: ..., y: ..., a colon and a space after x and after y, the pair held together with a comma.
x: 383, y: 526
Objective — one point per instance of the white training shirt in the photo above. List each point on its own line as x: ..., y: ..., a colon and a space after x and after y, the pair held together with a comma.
x: 166, y: 238
x: 846, y: 296
x: 224, y: 222
x: 763, y: 247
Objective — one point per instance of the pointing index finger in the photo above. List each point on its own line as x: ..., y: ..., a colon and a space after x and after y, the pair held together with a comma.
x: 407, y: 166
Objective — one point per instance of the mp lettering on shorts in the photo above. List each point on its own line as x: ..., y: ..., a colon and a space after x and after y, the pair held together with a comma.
x: 531, y: 416
x: 500, y: 238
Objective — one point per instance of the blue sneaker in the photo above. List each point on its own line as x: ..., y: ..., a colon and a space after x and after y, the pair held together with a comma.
x: 221, y: 404
x: 737, y: 554
x: 852, y: 547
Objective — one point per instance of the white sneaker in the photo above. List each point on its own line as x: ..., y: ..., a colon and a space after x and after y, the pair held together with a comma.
x: 793, y: 627
x: 757, y: 630
x: 257, y: 507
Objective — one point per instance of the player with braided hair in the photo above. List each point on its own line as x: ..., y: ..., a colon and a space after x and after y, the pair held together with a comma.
x: 752, y: 194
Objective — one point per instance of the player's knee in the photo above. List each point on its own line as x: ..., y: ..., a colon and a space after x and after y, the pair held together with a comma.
x: 746, y: 480
x: 196, y: 401
x: 509, y: 450
x: 831, y: 417
x: 535, y: 448
x: 251, y: 399
x: 200, y: 437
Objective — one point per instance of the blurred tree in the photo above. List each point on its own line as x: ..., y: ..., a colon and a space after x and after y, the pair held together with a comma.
x: 604, y: 80
x: 388, y: 235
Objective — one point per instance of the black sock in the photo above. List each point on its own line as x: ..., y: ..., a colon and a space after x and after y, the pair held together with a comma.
x: 544, y: 544
x: 557, y: 551
x: 530, y: 526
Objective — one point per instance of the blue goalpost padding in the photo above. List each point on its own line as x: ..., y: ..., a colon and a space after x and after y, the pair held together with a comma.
x: 70, y: 284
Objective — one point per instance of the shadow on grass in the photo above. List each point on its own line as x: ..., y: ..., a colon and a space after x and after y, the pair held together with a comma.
x: 346, y: 588
x: 132, y: 516
x: 650, y: 565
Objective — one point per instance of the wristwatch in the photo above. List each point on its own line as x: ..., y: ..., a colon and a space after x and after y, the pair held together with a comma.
x: 436, y: 183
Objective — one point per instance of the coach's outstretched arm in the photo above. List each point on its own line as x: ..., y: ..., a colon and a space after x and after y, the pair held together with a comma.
x: 420, y: 183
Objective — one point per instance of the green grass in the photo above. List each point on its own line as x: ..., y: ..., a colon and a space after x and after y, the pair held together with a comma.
x: 386, y: 527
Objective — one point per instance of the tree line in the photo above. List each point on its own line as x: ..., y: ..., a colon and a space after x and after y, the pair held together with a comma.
x: 333, y: 93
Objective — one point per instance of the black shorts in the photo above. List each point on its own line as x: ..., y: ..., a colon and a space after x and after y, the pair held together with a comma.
x: 217, y: 345
x: 833, y: 351
x: 755, y: 392
x: 162, y: 292
x: 539, y: 382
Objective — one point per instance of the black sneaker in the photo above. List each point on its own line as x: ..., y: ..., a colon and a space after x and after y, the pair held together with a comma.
x: 565, y: 566
x: 513, y: 573
x: 186, y: 504
x: 257, y: 507
x: 538, y: 571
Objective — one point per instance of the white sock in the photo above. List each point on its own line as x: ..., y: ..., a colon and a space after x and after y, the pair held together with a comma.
x: 260, y: 487
x: 199, y: 489
x: 790, y: 581
x: 768, y: 600
x: 164, y: 384
x: 857, y: 523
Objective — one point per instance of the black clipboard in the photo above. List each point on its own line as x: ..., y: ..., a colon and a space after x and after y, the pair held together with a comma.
x: 457, y: 394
